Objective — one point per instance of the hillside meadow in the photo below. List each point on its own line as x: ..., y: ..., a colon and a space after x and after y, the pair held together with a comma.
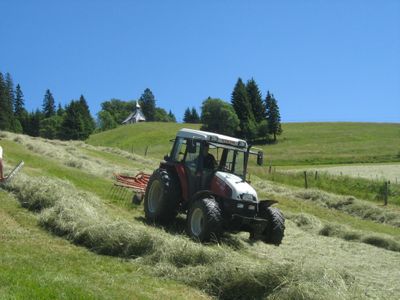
x: 66, y: 234
x: 300, y: 143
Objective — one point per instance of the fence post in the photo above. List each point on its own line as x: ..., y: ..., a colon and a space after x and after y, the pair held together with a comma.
x: 385, y: 198
x: 270, y: 168
x: 145, y: 152
x: 305, y: 180
x: 316, y: 175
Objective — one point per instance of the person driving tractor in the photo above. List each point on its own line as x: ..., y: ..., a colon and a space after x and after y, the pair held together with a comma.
x: 209, y: 161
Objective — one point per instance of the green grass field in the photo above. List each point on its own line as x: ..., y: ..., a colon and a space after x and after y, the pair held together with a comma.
x: 73, y: 239
x: 300, y: 143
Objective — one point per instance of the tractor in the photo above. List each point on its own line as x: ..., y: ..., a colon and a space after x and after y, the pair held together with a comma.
x: 213, y: 193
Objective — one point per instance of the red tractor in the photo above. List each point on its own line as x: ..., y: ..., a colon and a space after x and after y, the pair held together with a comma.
x: 214, y: 194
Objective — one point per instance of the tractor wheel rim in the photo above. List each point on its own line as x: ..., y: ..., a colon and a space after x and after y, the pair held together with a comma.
x: 155, y: 196
x: 197, y: 222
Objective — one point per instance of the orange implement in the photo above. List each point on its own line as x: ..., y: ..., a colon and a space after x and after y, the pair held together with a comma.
x: 138, y: 183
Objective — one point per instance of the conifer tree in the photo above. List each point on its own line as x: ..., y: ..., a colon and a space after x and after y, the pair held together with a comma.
x: 49, y: 107
x: 148, y: 104
x: 273, y: 115
x: 9, y: 102
x: 19, y: 104
x: 4, y: 114
x: 242, y: 107
x: 195, y: 118
x: 20, y: 113
x: 60, y: 110
x: 34, y: 119
x: 171, y: 117
x: 255, y: 99
x: 89, y: 123
x: 187, y: 117
x: 73, y: 125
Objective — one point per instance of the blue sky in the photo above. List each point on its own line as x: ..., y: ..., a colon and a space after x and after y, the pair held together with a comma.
x: 323, y: 60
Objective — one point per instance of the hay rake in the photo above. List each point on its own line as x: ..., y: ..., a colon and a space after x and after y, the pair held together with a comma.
x: 124, y: 184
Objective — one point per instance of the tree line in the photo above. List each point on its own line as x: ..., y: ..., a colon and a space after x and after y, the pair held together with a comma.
x: 247, y: 116
x: 72, y: 122
x: 114, y: 112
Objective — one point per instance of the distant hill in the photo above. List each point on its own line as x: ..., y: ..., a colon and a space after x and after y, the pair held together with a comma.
x: 300, y: 143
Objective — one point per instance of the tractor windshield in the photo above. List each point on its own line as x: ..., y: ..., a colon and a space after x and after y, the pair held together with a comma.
x: 232, y: 161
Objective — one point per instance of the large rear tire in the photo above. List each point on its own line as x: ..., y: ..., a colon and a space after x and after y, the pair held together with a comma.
x: 275, y: 231
x: 161, y: 198
x: 204, y: 220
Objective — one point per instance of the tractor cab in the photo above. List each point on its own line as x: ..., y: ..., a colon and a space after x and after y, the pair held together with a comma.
x: 199, y: 157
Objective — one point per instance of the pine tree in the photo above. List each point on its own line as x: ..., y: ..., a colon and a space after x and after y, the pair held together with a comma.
x: 20, y: 113
x: 187, y: 117
x: 242, y: 107
x: 7, y: 98
x: 19, y: 104
x: 255, y: 99
x: 273, y: 115
x: 77, y: 123
x: 89, y: 123
x: 148, y: 104
x: 4, y: 114
x: 60, y: 110
x: 195, y: 116
x: 73, y: 125
x: 34, y: 119
x: 171, y: 117
x: 49, y: 107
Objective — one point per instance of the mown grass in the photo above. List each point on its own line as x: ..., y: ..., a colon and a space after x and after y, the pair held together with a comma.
x: 222, y: 278
x: 343, y: 185
x: 300, y: 143
x: 36, y: 265
x: 313, y: 224
x: 81, y: 218
x: 347, y: 204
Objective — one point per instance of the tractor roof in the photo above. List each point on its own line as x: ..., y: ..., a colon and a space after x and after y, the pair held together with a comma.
x: 211, y: 137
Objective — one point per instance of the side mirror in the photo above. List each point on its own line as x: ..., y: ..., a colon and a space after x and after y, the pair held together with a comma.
x: 191, y: 146
x: 260, y: 158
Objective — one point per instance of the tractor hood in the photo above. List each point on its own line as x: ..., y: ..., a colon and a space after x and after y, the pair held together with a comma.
x: 241, y: 190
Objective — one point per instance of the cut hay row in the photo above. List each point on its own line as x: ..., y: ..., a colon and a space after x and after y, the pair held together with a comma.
x: 346, y: 204
x: 312, y: 224
x: 71, y: 155
x: 223, y: 273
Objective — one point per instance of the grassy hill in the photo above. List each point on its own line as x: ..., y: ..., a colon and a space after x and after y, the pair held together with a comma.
x: 300, y: 143
x: 64, y: 234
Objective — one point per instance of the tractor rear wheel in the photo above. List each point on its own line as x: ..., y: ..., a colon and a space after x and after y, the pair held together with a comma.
x: 274, y: 232
x: 204, y: 220
x: 161, y: 197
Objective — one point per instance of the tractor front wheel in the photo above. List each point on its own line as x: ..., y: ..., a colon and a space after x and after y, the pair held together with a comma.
x: 204, y: 221
x: 274, y: 232
x: 161, y: 197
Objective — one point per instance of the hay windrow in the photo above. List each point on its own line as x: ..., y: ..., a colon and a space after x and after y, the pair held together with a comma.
x: 221, y: 272
x: 314, y: 225
x: 71, y: 155
x: 346, y: 204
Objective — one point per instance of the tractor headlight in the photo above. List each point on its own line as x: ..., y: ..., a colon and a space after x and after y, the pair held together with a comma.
x: 240, y: 205
x: 247, y: 197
